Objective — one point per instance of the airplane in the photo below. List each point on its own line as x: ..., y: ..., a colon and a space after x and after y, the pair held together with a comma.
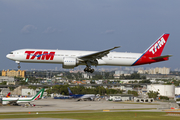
x: 8, y: 95
x: 82, y: 96
x: 71, y: 58
x: 15, y: 101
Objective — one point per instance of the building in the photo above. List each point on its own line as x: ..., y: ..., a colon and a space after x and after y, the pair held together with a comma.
x: 14, y: 73
x: 29, y: 92
x: 87, y: 75
x: 4, y: 92
x: 159, y: 76
x: 177, y: 90
x: 156, y: 70
x: 123, y: 72
x: 6, y: 79
x: 163, y: 90
x: 121, y: 97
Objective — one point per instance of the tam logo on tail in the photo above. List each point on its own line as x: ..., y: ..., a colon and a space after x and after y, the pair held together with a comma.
x: 157, y: 45
x: 153, y: 53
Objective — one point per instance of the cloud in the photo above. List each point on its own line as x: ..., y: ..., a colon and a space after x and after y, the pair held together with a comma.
x: 28, y: 29
x: 50, y: 30
x: 109, y: 31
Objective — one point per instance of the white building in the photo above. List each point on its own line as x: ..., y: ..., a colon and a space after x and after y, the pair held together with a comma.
x: 121, y: 97
x: 86, y: 75
x: 177, y: 90
x: 28, y: 92
x: 164, y: 90
x: 123, y: 72
x: 7, y: 79
x: 31, y: 92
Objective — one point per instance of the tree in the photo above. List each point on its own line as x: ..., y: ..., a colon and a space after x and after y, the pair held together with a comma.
x: 11, y: 88
x: 178, y: 99
x: 163, y: 97
x: 143, y: 77
x: 3, y: 83
x: 18, y: 78
x: 49, y: 91
x: 122, y: 76
x: 176, y: 82
x: 153, y: 94
x: 32, y: 87
x: 135, y: 76
x: 133, y: 92
x: 22, y: 82
x: 145, y: 81
x: 92, y: 81
x: 62, y: 89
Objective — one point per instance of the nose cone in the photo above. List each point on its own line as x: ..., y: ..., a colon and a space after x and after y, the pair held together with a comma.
x: 7, y: 56
x: 10, y: 56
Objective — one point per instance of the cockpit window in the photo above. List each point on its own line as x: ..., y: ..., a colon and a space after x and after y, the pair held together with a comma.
x: 11, y: 53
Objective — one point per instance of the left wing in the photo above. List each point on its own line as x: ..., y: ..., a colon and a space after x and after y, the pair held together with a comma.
x: 97, y: 55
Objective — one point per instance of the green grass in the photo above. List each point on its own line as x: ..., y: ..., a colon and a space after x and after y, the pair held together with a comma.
x: 93, y: 115
x: 75, y: 111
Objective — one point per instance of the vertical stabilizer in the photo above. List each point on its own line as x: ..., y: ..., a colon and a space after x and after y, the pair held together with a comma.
x: 8, y: 95
x: 154, y: 51
x: 157, y: 47
x: 38, y: 95
x: 70, y: 93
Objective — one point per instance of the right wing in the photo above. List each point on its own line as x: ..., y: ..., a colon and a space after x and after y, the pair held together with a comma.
x: 97, y: 55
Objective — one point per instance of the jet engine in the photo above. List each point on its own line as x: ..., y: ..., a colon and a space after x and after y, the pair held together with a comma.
x: 70, y: 62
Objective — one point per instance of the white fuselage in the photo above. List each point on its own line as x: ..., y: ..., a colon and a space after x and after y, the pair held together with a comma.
x: 18, y: 100
x: 70, y: 58
x: 112, y: 59
x: 88, y: 96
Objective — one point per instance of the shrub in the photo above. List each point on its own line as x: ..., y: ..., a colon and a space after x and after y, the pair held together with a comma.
x: 163, y: 97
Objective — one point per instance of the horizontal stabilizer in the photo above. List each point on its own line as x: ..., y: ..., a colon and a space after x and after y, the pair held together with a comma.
x: 161, y: 57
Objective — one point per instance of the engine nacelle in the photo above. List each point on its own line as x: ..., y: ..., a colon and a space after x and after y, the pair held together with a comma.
x: 70, y: 63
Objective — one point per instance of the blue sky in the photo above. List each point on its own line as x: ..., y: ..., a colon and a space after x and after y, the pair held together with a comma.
x: 88, y: 25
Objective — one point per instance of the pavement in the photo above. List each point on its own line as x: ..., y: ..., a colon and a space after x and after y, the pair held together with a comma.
x: 50, y: 104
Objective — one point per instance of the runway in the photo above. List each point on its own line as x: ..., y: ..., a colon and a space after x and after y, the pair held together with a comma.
x: 50, y: 104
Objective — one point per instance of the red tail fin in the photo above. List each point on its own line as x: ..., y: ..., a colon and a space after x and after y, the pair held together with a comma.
x: 154, y: 50
x: 8, y: 95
